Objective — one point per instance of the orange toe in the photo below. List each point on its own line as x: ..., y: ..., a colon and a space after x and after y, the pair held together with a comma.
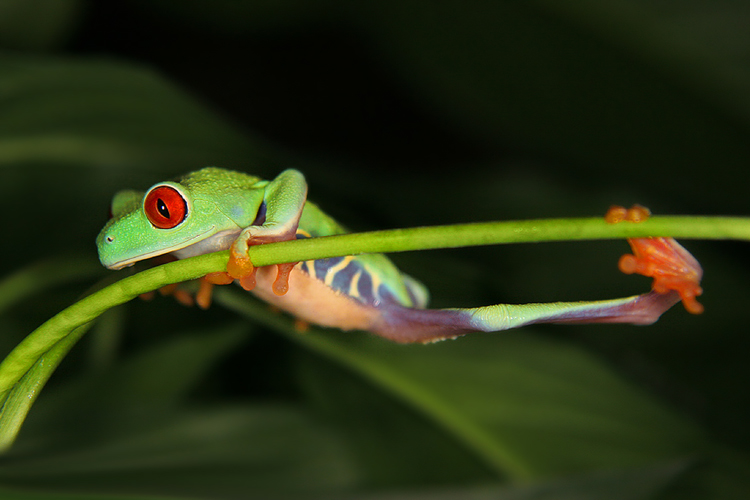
x: 203, y: 297
x: 281, y: 284
x: 636, y: 213
x: 615, y: 214
x: 248, y: 281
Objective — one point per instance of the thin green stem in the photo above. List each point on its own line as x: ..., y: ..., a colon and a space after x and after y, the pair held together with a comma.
x: 494, y: 233
x: 27, y: 367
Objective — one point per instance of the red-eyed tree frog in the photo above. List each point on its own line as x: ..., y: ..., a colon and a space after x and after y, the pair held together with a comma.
x: 215, y: 209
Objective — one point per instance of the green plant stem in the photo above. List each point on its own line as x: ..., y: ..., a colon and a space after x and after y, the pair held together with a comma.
x: 23, y: 372
x: 495, y: 233
x: 89, y: 308
x: 18, y: 401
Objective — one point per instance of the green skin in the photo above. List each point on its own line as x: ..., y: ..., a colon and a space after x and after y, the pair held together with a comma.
x: 226, y: 210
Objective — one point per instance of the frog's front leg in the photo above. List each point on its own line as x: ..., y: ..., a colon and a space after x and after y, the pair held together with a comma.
x: 283, y: 201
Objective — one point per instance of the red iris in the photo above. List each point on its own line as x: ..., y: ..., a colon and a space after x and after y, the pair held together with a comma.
x: 165, y: 207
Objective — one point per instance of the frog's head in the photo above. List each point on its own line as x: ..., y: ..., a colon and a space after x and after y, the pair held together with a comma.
x: 168, y: 217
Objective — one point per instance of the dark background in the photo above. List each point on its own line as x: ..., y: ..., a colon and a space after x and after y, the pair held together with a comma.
x: 399, y: 114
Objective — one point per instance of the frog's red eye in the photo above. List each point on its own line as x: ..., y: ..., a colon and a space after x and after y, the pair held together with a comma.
x: 165, y: 207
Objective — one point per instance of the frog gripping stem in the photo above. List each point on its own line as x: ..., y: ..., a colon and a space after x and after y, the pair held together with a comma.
x: 676, y: 276
x: 241, y: 268
x: 671, y: 266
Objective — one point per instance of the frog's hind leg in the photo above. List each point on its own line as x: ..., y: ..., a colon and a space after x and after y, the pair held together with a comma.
x: 403, y: 324
x: 676, y: 274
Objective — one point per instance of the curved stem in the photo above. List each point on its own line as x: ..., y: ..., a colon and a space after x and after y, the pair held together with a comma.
x: 23, y: 372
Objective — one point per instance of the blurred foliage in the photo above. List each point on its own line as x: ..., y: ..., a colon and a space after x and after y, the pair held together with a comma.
x: 400, y: 114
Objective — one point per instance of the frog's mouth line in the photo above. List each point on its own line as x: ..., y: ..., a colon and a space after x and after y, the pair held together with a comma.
x: 179, y: 246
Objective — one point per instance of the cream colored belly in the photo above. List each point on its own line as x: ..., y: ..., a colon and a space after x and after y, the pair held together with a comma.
x: 311, y: 300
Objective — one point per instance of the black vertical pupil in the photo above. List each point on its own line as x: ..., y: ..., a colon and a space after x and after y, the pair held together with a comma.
x: 161, y: 207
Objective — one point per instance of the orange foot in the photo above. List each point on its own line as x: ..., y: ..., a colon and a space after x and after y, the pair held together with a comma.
x: 202, y: 297
x: 665, y: 260
x: 180, y: 295
x: 241, y: 268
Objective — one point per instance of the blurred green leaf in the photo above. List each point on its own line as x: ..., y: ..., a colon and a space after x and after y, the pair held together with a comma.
x: 24, y: 494
x: 35, y: 278
x: 612, y: 485
x: 36, y: 24
x: 398, y: 445
x: 155, y: 379
x: 160, y: 375
x: 554, y: 409
x: 106, y: 114
x: 222, y: 452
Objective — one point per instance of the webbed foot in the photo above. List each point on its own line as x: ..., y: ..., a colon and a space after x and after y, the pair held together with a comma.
x: 241, y: 268
x: 202, y: 296
x: 180, y: 295
x: 665, y: 260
